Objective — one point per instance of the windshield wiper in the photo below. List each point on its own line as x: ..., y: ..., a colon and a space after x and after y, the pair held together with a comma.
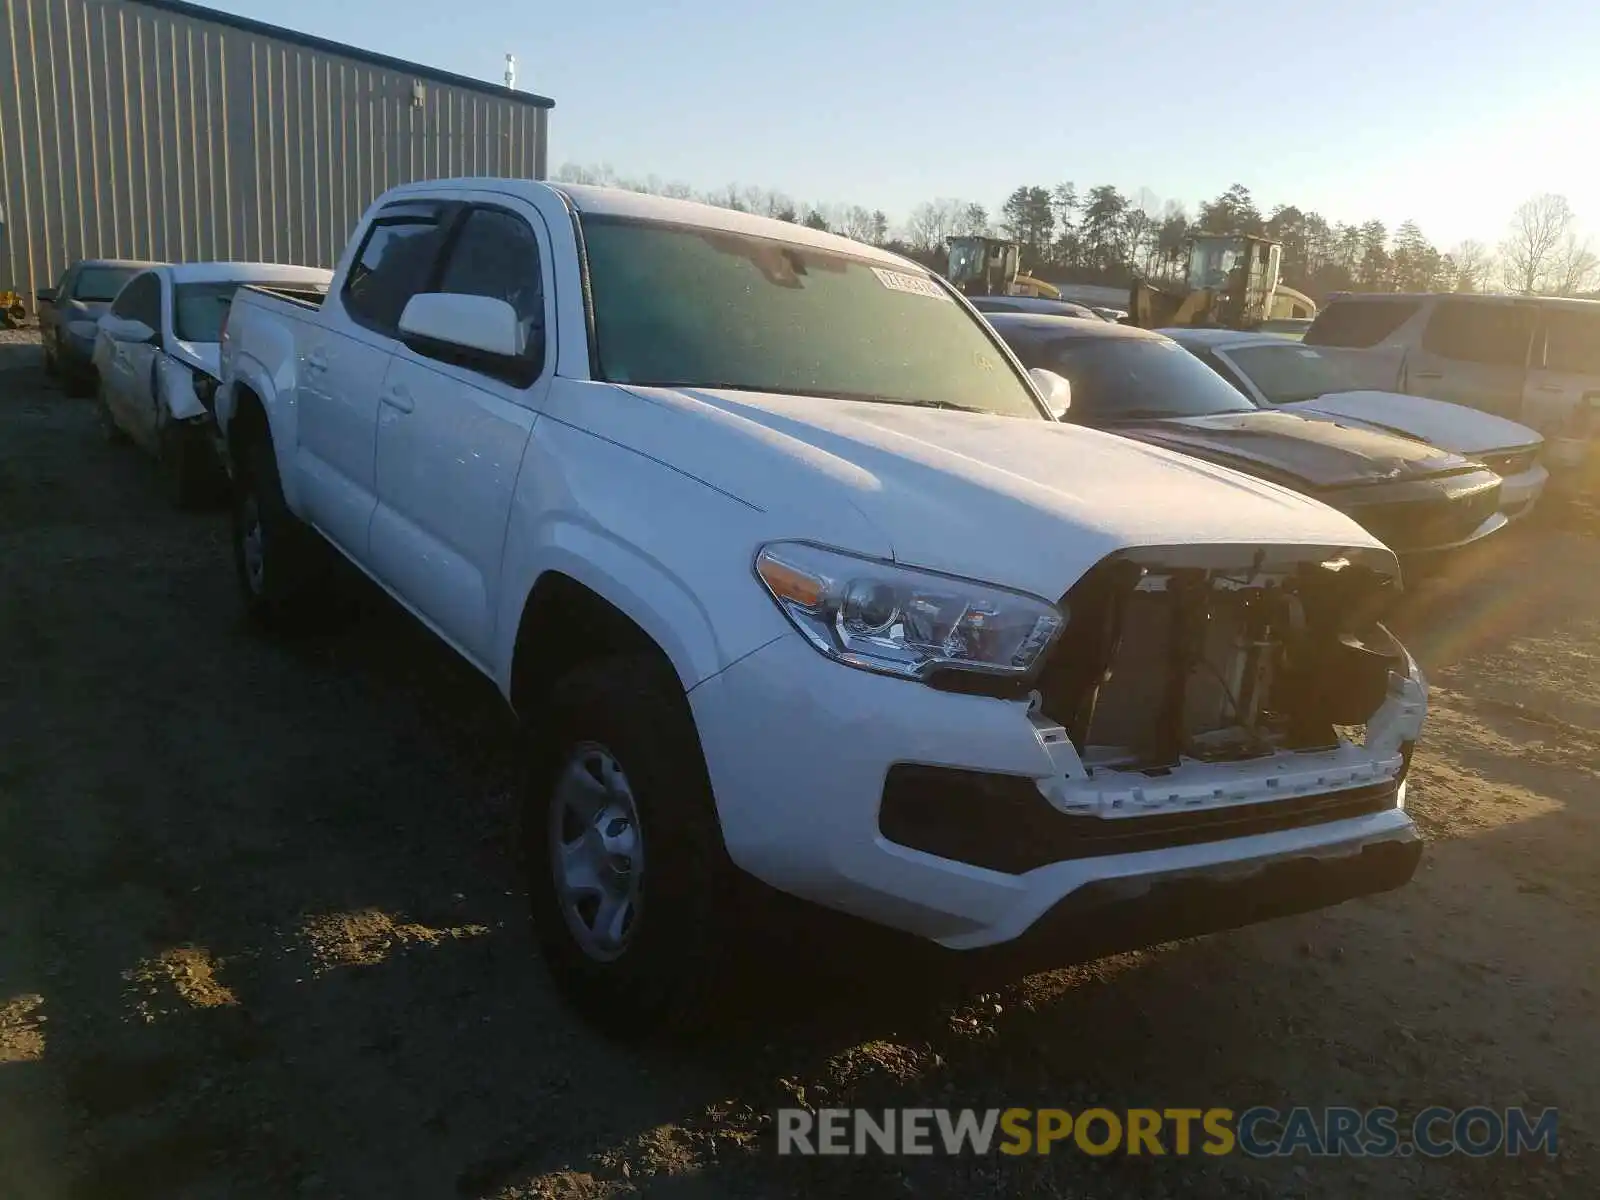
x: 945, y: 404
x: 1147, y: 414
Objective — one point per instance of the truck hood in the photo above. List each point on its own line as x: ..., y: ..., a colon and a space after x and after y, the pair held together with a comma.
x: 1453, y: 426
x: 1025, y: 503
x: 1298, y: 451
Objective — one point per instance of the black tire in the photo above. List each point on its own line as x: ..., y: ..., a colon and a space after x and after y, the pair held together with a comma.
x: 284, y: 588
x: 109, y: 429
x: 633, y: 708
x: 188, y: 467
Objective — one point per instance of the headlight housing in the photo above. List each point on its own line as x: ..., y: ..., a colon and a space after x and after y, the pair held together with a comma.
x: 899, y: 621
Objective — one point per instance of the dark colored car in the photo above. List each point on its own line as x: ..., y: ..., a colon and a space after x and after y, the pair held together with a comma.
x: 1415, y: 498
x: 1042, y: 305
x: 69, y: 312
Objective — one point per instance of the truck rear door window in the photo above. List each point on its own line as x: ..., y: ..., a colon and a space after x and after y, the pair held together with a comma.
x: 393, y: 266
x: 1475, y: 331
x: 1359, y: 324
x: 1573, y: 341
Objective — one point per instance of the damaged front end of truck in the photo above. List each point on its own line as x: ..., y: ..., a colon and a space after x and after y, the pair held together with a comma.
x: 1195, y: 677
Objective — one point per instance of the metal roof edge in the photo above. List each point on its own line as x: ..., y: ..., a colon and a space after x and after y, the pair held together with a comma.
x: 250, y: 25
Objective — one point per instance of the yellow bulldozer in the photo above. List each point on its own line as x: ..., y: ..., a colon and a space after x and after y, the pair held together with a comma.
x: 986, y: 266
x: 1231, y: 283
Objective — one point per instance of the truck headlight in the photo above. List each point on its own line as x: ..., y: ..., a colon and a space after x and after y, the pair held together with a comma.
x: 898, y: 621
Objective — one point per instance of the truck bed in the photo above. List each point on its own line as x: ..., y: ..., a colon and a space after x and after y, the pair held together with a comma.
x: 305, y: 297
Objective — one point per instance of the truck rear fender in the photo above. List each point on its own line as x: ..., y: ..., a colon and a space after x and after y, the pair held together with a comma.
x: 260, y: 369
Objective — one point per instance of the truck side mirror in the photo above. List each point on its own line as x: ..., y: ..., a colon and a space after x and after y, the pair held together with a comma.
x: 1057, y: 392
x: 479, y: 333
x: 478, y: 323
x: 46, y: 295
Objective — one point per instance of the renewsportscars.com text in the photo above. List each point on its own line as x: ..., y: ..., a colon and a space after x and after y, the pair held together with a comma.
x: 1258, y: 1132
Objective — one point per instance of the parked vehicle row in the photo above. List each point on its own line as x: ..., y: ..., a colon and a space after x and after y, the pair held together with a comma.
x: 1418, y: 499
x: 156, y: 362
x: 787, y: 564
x: 996, y: 626
x: 1300, y: 379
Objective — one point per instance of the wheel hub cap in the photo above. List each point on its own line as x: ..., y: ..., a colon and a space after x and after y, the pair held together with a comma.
x: 596, y: 852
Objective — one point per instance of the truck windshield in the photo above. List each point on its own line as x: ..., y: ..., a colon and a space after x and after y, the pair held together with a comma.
x: 678, y: 306
x: 1285, y: 374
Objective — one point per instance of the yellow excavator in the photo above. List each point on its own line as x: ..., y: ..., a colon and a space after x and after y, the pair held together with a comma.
x: 1231, y: 283
x: 986, y: 266
x: 12, y: 311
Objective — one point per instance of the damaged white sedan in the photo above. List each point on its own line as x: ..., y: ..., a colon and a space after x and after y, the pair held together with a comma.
x: 156, y: 357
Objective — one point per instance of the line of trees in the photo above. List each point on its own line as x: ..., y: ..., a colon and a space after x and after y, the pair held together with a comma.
x: 1101, y: 235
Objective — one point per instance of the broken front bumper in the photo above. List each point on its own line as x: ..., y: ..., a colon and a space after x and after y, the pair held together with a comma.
x: 1111, y: 917
x: 799, y: 751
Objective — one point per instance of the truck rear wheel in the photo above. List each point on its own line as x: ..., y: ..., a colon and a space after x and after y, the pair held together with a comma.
x: 627, y: 875
x: 280, y: 566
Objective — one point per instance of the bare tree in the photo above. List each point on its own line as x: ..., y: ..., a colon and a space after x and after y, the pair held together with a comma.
x: 1576, y: 267
x: 1530, y: 254
x: 1474, y: 265
x: 932, y: 221
x: 857, y: 224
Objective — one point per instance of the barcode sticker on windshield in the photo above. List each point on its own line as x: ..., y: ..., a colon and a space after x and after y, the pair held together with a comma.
x: 917, y: 285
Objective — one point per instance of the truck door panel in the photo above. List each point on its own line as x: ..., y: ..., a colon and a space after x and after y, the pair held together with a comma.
x: 341, y: 365
x: 451, y: 438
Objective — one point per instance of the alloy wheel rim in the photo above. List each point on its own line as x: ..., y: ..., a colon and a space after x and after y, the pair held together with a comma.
x: 596, y: 852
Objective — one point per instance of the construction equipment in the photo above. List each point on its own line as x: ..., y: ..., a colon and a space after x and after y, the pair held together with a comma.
x: 1231, y: 282
x: 12, y: 312
x: 986, y: 266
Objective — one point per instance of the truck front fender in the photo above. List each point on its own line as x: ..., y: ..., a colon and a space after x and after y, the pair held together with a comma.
x: 633, y: 532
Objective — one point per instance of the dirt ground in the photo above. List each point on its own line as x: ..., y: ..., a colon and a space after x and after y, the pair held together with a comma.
x: 261, y: 932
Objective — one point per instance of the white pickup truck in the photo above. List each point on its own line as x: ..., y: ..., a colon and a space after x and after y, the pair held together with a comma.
x: 777, y: 552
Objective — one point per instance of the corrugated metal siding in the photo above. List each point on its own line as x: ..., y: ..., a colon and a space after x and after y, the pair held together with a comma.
x: 130, y: 132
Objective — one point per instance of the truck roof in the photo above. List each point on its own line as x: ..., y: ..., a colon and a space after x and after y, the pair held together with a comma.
x: 619, y: 202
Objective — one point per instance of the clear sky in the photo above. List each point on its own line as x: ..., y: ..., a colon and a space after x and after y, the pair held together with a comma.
x: 1450, y: 112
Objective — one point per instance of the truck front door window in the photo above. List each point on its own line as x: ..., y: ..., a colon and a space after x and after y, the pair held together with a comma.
x: 496, y: 255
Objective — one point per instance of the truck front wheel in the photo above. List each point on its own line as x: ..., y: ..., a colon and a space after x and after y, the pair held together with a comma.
x: 277, y: 558
x: 627, y: 875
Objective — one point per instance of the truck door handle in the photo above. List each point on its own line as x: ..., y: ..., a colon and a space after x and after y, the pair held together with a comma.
x: 1551, y: 387
x: 317, y: 361
x: 398, y: 397
x: 1427, y: 375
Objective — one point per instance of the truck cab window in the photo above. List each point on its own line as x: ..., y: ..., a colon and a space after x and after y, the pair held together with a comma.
x: 497, y: 255
x: 392, y: 267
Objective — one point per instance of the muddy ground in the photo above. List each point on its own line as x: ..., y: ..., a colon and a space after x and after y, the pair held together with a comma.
x: 262, y: 934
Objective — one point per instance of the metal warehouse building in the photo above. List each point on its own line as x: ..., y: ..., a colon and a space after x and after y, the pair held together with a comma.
x: 161, y: 130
